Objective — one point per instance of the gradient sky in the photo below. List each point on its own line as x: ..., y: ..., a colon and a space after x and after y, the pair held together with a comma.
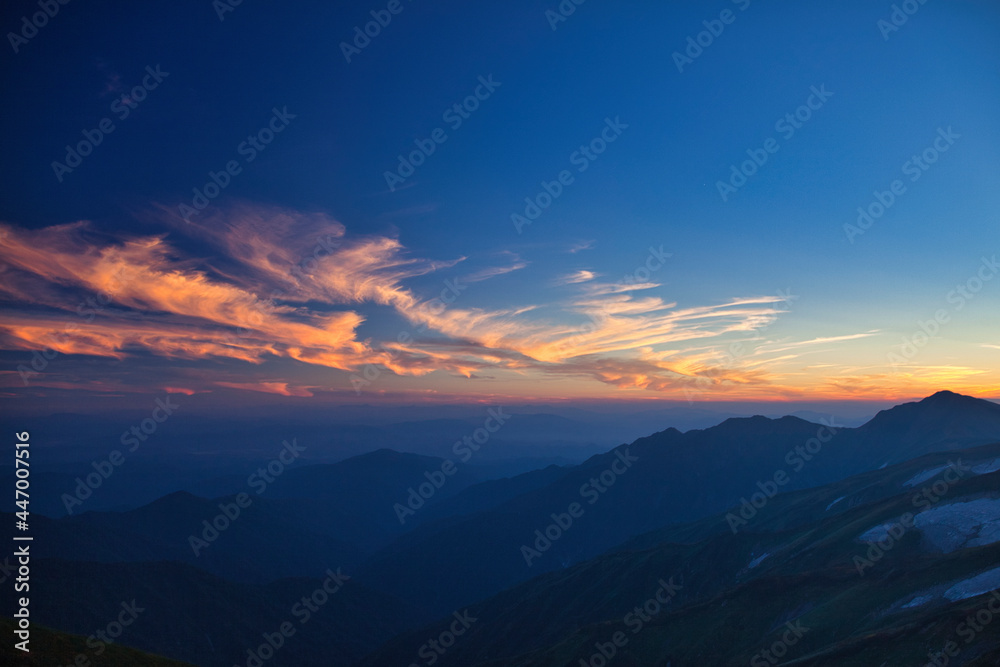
x: 764, y: 295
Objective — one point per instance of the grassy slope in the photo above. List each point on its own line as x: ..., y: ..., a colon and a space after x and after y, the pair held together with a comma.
x: 50, y: 648
x: 725, y: 608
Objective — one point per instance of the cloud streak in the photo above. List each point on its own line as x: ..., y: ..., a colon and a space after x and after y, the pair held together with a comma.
x: 289, y: 285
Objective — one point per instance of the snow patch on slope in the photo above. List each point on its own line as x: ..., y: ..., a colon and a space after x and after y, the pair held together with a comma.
x: 961, y: 524
x: 977, y: 585
x: 987, y: 467
x: 925, y: 475
x: 834, y: 503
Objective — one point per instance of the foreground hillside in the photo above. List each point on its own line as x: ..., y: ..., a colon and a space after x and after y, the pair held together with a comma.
x: 179, y: 611
x: 50, y: 648
x: 808, y: 567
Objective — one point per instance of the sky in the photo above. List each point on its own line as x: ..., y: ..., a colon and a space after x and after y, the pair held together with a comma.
x: 711, y: 201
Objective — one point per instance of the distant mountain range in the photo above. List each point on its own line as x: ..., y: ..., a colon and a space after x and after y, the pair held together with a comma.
x: 678, y: 477
x: 800, y: 559
x: 212, y: 455
x: 754, y: 521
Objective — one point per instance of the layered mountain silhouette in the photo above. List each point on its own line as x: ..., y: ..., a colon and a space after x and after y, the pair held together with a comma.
x: 750, y: 525
x: 678, y: 477
x: 800, y: 559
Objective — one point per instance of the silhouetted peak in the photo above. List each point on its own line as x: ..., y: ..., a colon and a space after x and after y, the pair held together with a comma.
x: 758, y: 423
x: 950, y: 400
x: 939, y: 411
x: 945, y: 397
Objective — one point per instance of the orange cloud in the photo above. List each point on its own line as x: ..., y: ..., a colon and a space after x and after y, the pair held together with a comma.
x: 284, y: 284
x: 281, y: 388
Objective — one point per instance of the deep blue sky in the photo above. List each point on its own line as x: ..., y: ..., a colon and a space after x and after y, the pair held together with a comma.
x: 655, y: 185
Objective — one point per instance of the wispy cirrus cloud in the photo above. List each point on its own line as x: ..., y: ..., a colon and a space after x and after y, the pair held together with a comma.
x: 580, y: 276
x: 280, y: 388
x: 174, y: 306
x: 820, y: 341
x: 283, y: 284
x: 514, y: 263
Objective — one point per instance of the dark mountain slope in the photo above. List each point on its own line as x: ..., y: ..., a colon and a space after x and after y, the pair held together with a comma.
x: 940, y: 422
x: 354, y: 499
x: 258, y: 545
x: 674, y: 478
x: 796, y: 560
x: 51, y: 647
x: 189, y: 615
